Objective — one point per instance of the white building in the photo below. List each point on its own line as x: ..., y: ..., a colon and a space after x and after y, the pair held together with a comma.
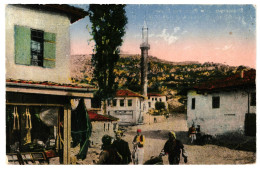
x: 128, y: 106
x: 38, y: 78
x: 155, y: 97
x: 225, y: 105
x: 101, y: 125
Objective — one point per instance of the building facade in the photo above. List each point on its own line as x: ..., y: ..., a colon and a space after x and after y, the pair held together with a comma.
x: 225, y: 105
x: 127, y: 106
x: 38, y: 88
x: 155, y: 97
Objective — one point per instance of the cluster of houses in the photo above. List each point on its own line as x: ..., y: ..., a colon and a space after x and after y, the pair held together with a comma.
x: 39, y: 91
x: 38, y: 86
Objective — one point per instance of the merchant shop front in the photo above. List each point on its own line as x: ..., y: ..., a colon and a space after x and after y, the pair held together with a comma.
x: 38, y: 121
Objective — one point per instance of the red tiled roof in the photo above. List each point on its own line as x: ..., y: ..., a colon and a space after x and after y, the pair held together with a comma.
x: 48, y: 83
x: 98, y: 117
x: 127, y: 93
x: 232, y: 81
x: 154, y: 94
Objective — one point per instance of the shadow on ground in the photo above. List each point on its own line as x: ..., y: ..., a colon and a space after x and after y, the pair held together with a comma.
x: 163, y: 134
x: 232, y: 141
x: 236, y: 141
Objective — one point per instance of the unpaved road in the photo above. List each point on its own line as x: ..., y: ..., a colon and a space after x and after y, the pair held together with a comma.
x: 156, y: 136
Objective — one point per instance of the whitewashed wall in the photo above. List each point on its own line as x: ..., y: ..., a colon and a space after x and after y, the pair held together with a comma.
x: 153, y: 101
x: 229, y: 117
x: 41, y: 20
x: 98, y: 131
x: 136, y: 109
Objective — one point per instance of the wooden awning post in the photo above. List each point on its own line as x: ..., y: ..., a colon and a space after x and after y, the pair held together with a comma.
x: 67, y: 134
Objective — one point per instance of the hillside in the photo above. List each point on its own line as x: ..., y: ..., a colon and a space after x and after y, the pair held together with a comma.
x: 163, y: 76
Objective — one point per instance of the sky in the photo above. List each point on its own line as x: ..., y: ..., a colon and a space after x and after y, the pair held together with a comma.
x: 205, y: 33
x: 219, y: 33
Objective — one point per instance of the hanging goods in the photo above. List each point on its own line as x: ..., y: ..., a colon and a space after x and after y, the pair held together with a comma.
x: 16, y: 125
x: 28, y: 124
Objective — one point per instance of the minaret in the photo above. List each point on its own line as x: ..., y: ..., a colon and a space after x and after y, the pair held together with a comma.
x: 144, y: 54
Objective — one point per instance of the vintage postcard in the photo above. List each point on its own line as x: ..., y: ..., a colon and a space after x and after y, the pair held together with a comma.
x: 130, y: 84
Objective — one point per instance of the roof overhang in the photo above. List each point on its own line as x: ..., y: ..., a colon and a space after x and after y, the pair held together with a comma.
x: 246, y: 87
x: 73, y: 13
x: 49, y: 90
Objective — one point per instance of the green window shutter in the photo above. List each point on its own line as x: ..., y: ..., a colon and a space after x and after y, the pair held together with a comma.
x: 22, y: 45
x: 49, y: 53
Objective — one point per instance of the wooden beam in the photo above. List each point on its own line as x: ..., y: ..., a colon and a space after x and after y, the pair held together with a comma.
x: 65, y: 130
x: 35, y: 104
x: 67, y: 133
x: 50, y: 92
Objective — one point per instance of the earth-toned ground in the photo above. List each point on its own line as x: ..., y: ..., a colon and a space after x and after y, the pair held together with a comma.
x: 156, y: 136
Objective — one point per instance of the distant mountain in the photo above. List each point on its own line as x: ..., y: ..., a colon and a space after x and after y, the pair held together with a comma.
x: 163, y: 76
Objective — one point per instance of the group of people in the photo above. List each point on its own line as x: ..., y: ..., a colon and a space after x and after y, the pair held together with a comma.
x: 118, y: 152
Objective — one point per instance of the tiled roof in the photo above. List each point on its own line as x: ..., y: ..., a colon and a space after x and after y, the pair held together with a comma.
x: 154, y: 94
x: 98, y: 117
x: 127, y: 93
x: 50, y: 84
x: 238, y: 80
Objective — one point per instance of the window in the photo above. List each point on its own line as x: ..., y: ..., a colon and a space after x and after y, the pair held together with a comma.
x: 34, y: 47
x: 193, y: 103
x: 253, y: 99
x: 152, y: 99
x: 122, y: 104
x: 149, y: 103
x: 108, y: 102
x: 129, y: 103
x: 215, y: 102
x: 114, y: 102
x: 155, y: 99
x: 160, y: 99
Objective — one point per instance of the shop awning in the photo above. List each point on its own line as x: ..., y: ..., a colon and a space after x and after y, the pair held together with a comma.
x: 49, y: 88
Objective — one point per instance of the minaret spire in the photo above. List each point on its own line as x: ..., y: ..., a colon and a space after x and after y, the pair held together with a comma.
x: 144, y: 54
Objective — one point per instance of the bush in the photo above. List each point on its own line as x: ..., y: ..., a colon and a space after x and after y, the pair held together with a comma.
x: 160, y: 106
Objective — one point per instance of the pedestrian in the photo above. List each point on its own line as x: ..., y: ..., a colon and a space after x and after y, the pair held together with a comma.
x: 122, y: 147
x: 138, y: 144
x: 192, y: 133
x: 173, y: 148
x: 109, y: 155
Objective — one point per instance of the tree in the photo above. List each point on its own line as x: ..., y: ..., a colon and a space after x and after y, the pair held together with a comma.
x: 108, y: 28
x: 160, y: 105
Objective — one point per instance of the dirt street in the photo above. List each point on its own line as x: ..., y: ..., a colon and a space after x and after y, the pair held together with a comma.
x: 156, y: 136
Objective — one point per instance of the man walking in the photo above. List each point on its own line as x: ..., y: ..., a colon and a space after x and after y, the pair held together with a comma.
x: 122, y: 147
x: 192, y: 133
x: 109, y: 155
x: 173, y: 148
x: 138, y: 143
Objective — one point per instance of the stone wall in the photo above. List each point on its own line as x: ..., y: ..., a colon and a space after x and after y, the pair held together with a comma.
x: 99, y: 129
x: 149, y: 119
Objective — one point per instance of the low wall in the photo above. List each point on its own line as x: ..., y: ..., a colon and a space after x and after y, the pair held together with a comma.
x: 149, y: 119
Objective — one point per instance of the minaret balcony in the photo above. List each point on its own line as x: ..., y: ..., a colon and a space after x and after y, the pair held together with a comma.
x: 145, y: 45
